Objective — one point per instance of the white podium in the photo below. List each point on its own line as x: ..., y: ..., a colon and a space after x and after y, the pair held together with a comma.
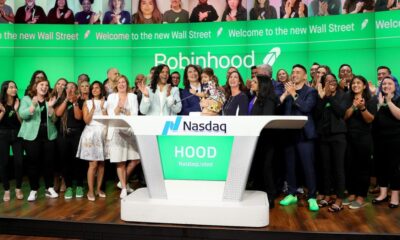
x: 196, y: 168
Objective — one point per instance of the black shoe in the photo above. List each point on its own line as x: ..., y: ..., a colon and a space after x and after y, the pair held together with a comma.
x: 391, y: 205
x: 271, y: 203
x: 376, y: 201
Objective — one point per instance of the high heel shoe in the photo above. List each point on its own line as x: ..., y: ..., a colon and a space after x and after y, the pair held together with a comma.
x: 391, y: 205
x: 6, y: 196
x: 376, y: 201
x: 101, y: 194
x: 90, y: 198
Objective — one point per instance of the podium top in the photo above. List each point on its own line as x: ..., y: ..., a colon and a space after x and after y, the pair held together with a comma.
x: 202, y: 125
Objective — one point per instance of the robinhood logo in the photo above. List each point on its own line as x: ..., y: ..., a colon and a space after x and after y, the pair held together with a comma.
x: 193, y: 126
x: 216, y: 62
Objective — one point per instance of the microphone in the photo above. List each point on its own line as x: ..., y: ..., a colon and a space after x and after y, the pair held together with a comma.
x: 185, y: 98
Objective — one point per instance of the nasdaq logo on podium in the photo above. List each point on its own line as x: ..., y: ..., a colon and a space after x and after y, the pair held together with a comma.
x: 193, y: 126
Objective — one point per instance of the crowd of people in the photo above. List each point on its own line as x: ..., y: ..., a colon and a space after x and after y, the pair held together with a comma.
x: 148, y: 11
x: 351, y: 128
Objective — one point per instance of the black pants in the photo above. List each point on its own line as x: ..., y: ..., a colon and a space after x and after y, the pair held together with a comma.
x: 359, y: 151
x: 72, y: 168
x: 333, y: 152
x: 262, y: 167
x: 388, y: 163
x: 40, y: 155
x: 9, y: 138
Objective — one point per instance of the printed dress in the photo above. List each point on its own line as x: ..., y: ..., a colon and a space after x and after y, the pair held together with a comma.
x: 92, y: 145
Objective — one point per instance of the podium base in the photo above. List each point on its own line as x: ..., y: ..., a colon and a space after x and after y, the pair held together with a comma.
x: 252, y: 211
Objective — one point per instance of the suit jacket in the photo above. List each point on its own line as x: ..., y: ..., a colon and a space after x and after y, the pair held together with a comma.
x: 152, y: 105
x: 303, y: 106
x: 31, y: 122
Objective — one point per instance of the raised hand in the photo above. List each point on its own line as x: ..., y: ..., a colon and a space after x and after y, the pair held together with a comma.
x: 169, y: 87
x: 302, y: 9
x: 288, y: 9
x: 321, y: 90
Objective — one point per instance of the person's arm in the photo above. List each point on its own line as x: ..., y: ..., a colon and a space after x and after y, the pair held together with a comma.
x: 306, y: 104
x: 395, y: 110
x: 213, y: 15
x: 189, y: 103
x: 147, y: 98
x: 337, y: 108
x: 42, y: 15
x: 87, y: 115
x: 77, y: 111
x: 59, y: 110
x: 174, y: 101
x: 243, y: 105
x: 25, y: 109
x: 9, y: 17
x: 2, y: 111
x: 368, y: 110
x: 194, y: 17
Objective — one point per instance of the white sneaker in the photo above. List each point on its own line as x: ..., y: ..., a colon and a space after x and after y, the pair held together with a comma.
x: 128, y: 187
x: 124, y: 193
x: 51, y: 193
x: 32, y: 196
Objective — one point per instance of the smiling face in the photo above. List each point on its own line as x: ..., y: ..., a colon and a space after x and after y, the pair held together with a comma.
x: 320, y: 72
x: 96, y: 90
x: 357, y: 86
x: 61, y: 3
x: 331, y: 82
x: 234, y: 80
x: 283, y: 76
x: 164, y: 75
x: 205, y: 78
x: 298, y: 75
x: 382, y: 73
x: 86, y: 5
x: 122, y: 85
x: 254, y: 85
x: 175, y: 3
x: 147, y: 7
x: 175, y: 79
x: 84, y: 87
x: 233, y: 4
x: 12, y: 89
x: 193, y: 75
x: 42, y: 88
x: 388, y: 86
x: 345, y: 72
x: 60, y: 85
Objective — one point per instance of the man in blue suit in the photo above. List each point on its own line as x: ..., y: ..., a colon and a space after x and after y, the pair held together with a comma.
x: 300, y: 100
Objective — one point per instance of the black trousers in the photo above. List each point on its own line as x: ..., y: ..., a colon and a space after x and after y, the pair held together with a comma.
x: 387, y: 163
x: 262, y: 168
x: 359, y: 151
x: 40, y: 158
x: 9, y: 138
x: 72, y: 168
x: 333, y: 152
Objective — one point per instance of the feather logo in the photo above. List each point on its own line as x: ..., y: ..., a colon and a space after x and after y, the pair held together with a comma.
x: 271, y: 57
x: 87, y: 33
x: 220, y: 31
x: 364, y: 24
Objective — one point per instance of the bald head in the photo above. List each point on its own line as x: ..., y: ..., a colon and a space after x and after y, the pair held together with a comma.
x: 264, y: 69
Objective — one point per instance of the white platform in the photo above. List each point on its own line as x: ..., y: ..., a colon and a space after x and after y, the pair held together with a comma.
x: 252, y: 211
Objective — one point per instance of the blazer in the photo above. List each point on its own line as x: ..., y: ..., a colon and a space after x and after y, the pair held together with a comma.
x: 31, y: 122
x: 152, y: 105
x: 190, y: 102
x: 303, y: 106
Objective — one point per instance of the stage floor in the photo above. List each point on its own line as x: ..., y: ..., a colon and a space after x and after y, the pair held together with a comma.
x: 82, y: 219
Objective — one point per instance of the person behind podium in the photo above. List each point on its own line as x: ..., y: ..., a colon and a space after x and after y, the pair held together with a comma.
x: 263, y: 10
x: 160, y: 98
x: 6, y: 13
x: 237, y: 102
x: 203, y: 12
x: 191, y: 81
x: 30, y: 13
x: 92, y: 145
x: 234, y: 11
x: 263, y: 103
x: 148, y: 12
x: 300, y: 100
x: 60, y: 13
x: 122, y: 143
x: 116, y: 14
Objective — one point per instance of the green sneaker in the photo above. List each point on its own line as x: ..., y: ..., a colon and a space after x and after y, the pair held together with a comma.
x: 289, y: 199
x: 68, y: 193
x: 312, y: 204
x: 79, y: 192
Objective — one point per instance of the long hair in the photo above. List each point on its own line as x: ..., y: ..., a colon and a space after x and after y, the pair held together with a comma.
x: 277, y: 74
x: 54, y: 92
x: 228, y: 9
x: 66, y: 4
x: 156, y: 77
x: 102, y: 89
x: 64, y: 117
x: 366, y: 94
x: 111, y: 6
x: 156, y: 15
x: 265, y: 89
x: 186, y: 82
x: 242, y: 86
x: 259, y: 9
x: 126, y: 81
x: 32, y: 90
x: 3, y: 92
x: 34, y: 78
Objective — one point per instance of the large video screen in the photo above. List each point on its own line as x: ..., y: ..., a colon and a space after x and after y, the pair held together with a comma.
x: 365, y: 41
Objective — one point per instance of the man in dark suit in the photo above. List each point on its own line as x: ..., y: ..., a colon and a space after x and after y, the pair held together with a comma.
x: 300, y: 100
